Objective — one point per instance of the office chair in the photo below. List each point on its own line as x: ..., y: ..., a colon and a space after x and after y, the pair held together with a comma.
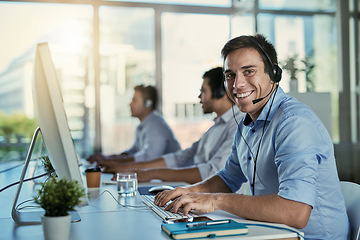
x: 351, y: 193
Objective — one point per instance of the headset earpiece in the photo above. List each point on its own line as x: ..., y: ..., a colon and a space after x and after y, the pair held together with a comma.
x: 148, y: 103
x: 277, y: 73
x: 276, y: 70
x: 218, y: 93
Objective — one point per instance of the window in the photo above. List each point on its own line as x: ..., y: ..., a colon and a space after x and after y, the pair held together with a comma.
x: 242, y: 25
x: 311, y: 40
x: 324, y: 34
x: 127, y: 59
x: 326, y: 5
x: 189, y: 49
x: 214, y: 3
x: 67, y: 29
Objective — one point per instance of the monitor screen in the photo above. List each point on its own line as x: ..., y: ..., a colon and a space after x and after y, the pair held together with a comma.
x: 51, y: 117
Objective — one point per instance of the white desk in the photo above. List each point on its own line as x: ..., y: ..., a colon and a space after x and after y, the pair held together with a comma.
x: 104, y: 218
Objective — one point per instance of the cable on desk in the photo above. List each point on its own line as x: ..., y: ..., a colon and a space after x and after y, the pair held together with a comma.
x: 21, y: 208
x: 122, y: 205
x: 30, y: 200
x: 276, y: 227
x: 25, y: 180
x: 10, y: 168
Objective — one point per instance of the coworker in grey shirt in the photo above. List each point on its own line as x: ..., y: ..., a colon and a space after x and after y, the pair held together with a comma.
x: 153, y: 138
x: 153, y: 135
x: 206, y: 156
x: 209, y: 154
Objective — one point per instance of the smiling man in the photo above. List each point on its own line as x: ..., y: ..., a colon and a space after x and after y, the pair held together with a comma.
x: 281, y: 148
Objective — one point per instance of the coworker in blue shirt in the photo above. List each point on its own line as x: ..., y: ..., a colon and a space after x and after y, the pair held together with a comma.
x: 154, y: 137
x: 282, y: 143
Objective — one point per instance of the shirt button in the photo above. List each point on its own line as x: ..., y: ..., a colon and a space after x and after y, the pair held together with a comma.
x: 249, y: 158
x: 253, y: 130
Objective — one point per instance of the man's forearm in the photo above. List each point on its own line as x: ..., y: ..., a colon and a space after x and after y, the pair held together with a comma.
x: 121, y: 159
x: 270, y: 208
x: 156, y: 163
x: 189, y: 175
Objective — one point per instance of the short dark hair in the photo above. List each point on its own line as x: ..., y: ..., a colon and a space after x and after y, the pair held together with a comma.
x: 248, y: 41
x: 149, y: 93
x: 216, y: 82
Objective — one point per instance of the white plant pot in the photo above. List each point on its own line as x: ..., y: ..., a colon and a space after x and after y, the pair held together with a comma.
x: 56, y: 228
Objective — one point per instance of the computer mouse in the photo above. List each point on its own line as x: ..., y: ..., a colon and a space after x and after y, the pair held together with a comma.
x: 157, y: 189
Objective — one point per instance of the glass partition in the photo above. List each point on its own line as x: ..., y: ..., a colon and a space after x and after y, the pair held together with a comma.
x: 214, y: 3
x: 127, y: 58
x: 189, y: 49
x: 242, y: 25
x: 307, y: 51
x: 309, y: 5
x: 317, y: 42
x: 67, y: 29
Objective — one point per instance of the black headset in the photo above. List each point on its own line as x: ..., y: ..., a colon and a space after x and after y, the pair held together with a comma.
x: 217, y: 88
x: 218, y: 92
x: 275, y: 74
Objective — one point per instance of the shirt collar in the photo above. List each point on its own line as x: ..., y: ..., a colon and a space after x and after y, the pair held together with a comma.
x: 148, y: 118
x: 279, y: 96
x: 228, y: 115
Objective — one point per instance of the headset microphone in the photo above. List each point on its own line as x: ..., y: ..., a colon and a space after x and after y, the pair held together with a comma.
x: 260, y: 99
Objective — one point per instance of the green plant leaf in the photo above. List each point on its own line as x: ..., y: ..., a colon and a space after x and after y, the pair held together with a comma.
x: 59, y: 196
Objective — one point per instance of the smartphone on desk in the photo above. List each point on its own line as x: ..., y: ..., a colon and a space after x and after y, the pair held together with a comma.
x: 194, y: 219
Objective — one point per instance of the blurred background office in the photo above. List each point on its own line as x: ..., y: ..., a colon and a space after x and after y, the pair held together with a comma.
x: 102, y: 49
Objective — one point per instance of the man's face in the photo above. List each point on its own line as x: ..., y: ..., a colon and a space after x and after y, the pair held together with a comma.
x: 206, y: 97
x: 246, y: 80
x: 137, y: 106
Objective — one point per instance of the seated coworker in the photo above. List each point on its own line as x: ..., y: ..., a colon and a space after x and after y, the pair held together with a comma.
x: 281, y: 148
x: 206, y: 156
x: 153, y: 135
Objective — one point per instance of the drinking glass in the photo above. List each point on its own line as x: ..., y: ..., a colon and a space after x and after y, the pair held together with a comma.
x: 126, y: 183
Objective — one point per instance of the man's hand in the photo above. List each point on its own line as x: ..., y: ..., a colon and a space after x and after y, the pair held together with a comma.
x: 182, y: 198
x: 108, y: 166
x: 119, y: 167
x: 202, y: 202
x: 113, y: 163
x: 95, y: 158
x: 143, y: 175
x: 162, y: 198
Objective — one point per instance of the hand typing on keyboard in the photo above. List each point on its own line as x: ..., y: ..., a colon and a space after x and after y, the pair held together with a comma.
x: 163, y: 198
x: 182, y: 197
x: 165, y: 215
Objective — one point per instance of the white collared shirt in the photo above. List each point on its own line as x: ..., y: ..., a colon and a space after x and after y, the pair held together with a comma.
x: 209, y: 154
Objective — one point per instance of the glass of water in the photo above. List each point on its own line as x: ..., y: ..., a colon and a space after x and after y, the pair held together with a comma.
x: 126, y: 183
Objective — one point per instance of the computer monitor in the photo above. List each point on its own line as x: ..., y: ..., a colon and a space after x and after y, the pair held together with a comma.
x: 53, y: 126
x: 51, y: 117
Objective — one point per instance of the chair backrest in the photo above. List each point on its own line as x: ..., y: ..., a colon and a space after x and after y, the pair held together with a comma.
x: 351, y: 193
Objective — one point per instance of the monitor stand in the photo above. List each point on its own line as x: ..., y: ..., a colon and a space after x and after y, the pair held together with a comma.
x: 31, y: 217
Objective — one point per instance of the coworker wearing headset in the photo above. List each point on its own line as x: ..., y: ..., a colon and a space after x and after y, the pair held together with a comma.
x: 281, y: 148
x: 207, y: 155
x: 154, y: 137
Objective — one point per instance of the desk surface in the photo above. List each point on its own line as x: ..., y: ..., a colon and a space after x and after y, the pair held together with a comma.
x: 104, y: 218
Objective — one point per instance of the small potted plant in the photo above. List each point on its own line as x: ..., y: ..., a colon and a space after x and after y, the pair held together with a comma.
x: 57, y: 197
